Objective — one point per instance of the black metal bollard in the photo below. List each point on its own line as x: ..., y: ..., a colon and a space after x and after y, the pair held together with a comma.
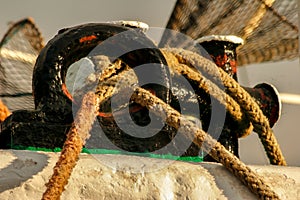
x: 222, y: 49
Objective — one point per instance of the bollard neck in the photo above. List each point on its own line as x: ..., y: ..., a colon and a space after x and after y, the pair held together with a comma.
x: 222, y: 49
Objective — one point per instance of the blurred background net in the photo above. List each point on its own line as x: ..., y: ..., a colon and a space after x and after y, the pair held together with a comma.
x: 18, y: 51
x: 269, y: 28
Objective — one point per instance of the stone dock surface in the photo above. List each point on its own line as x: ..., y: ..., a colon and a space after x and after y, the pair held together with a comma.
x: 23, y: 175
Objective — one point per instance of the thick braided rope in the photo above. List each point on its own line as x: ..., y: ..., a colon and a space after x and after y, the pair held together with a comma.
x: 79, y: 132
x: 256, y: 116
x: 254, y: 182
x: 76, y: 138
x: 198, y: 136
x: 212, y: 89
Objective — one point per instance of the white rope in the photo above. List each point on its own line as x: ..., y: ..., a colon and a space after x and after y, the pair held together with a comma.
x: 18, y: 55
x: 290, y: 98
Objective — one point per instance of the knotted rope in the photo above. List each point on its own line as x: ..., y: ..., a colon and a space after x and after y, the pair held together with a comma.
x: 178, y: 60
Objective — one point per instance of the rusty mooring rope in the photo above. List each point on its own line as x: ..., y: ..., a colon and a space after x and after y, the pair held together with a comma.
x: 105, y: 89
x: 75, y: 140
x: 254, y: 182
x: 252, y: 110
x: 180, y: 66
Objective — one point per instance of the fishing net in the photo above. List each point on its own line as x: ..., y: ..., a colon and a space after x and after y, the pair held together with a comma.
x: 18, y: 51
x: 268, y: 27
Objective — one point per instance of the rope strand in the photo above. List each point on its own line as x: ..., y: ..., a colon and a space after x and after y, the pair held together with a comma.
x: 254, y: 182
x: 176, y: 63
x: 258, y: 119
x: 75, y: 140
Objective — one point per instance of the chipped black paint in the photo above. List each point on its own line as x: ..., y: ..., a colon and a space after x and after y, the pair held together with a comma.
x: 46, y: 126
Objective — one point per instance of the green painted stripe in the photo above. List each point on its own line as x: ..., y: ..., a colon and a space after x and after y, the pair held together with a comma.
x: 108, y: 151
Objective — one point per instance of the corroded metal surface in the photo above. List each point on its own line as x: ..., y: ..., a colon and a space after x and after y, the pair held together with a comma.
x: 47, y: 125
x: 53, y: 106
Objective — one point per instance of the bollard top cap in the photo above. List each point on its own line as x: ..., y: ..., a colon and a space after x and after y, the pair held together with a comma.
x: 229, y: 38
x: 133, y: 24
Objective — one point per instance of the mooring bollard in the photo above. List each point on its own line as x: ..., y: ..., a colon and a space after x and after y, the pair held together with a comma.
x: 223, y: 51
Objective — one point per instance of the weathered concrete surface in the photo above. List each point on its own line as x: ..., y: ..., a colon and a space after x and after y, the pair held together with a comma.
x: 23, y: 175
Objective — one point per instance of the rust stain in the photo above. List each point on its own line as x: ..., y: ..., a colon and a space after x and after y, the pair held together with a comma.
x: 66, y: 92
x: 87, y: 38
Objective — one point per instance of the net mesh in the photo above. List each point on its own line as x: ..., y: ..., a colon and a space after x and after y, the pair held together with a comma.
x: 268, y: 27
x: 18, y: 51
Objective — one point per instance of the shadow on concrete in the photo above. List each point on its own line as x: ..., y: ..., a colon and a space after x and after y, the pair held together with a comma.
x: 23, y: 167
